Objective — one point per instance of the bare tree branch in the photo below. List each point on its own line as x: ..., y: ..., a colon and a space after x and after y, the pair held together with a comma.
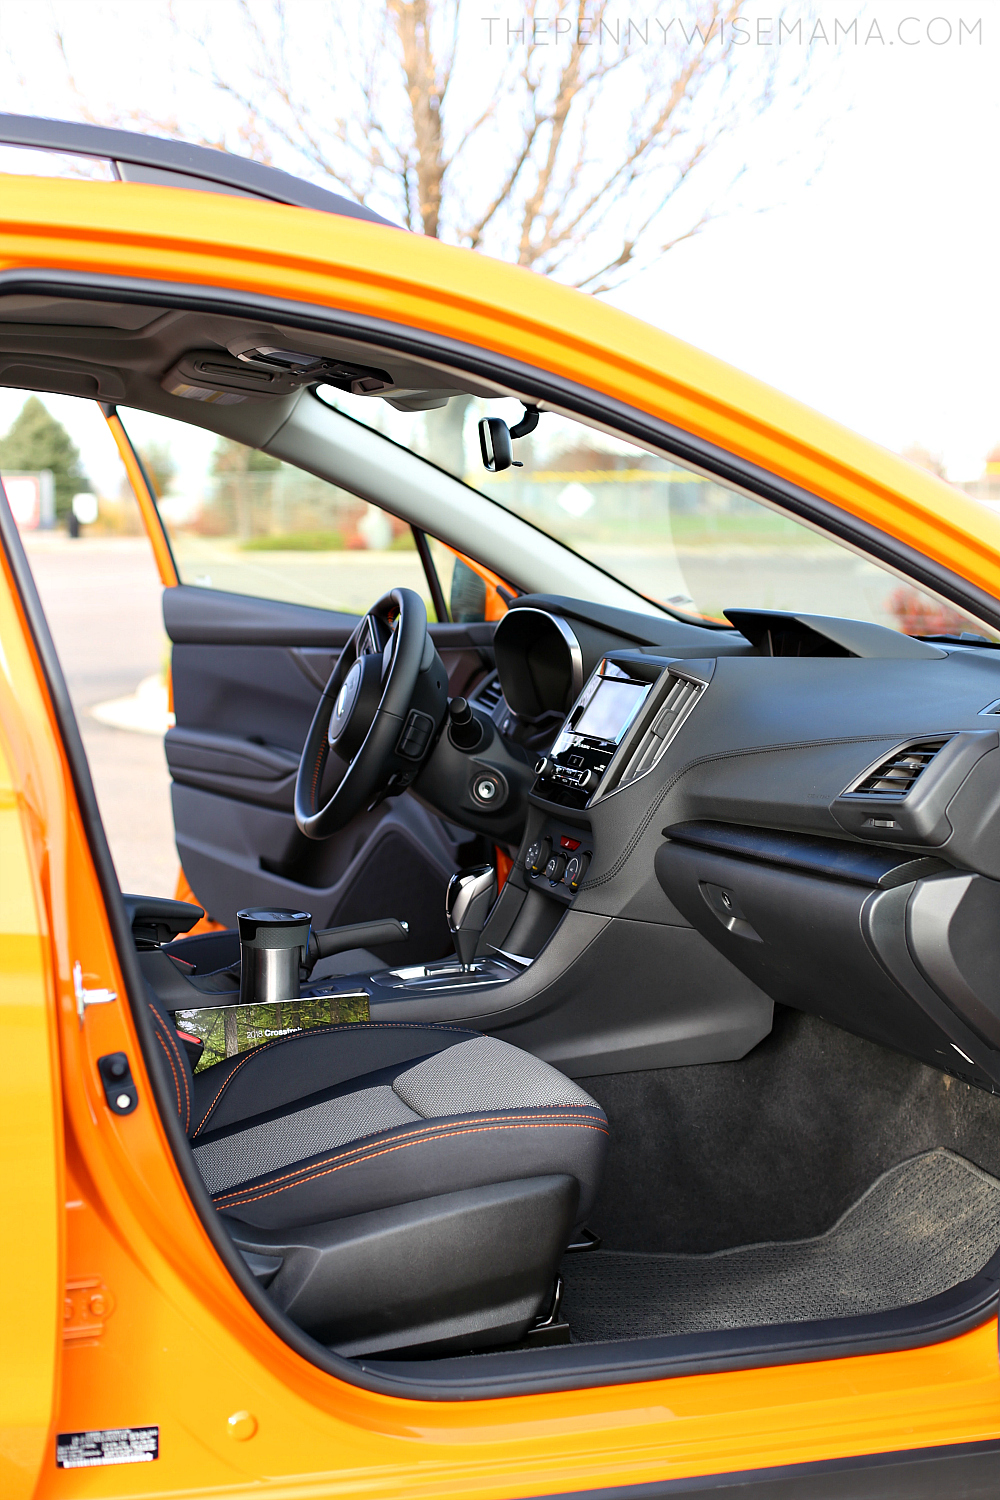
x: 426, y: 85
x: 578, y: 158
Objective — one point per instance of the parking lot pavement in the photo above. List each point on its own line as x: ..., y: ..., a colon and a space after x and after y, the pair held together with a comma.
x: 102, y: 599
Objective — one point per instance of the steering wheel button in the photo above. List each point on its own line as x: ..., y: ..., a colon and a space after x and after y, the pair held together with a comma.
x: 416, y: 735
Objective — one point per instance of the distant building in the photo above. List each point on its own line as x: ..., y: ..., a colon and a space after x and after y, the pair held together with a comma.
x: 32, y: 498
x: 987, y: 486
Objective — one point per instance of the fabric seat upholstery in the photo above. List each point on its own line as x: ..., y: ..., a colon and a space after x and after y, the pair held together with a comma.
x: 342, y: 1120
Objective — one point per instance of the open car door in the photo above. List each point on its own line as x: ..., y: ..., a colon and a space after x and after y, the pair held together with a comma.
x: 247, y: 670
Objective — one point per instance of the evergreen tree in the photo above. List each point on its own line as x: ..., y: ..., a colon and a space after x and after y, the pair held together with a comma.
x: 35, y: 441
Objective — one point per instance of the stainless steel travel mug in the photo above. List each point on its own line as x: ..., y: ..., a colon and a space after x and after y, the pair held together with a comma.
x: 272, y: 940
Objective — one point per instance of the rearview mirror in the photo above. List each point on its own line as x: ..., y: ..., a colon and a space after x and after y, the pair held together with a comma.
x: 494, y: 441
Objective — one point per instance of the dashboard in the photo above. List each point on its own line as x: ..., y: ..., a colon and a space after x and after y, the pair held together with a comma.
x: 811, y: 805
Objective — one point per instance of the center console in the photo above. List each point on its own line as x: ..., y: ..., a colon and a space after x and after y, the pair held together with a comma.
x: 619, y: 725
x: 446, y: 976
x: 557, y: 859
x: 595, y: 727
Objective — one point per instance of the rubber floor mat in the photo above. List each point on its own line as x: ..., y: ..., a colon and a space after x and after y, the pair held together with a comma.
x: 921, y: 1227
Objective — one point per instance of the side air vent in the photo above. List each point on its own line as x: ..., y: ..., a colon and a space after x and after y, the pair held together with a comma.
x: 679, y: 702
x: 489, y: 694
x: 898, y: 773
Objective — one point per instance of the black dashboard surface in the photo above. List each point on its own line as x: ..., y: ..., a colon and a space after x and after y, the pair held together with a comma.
x: 882, y: 744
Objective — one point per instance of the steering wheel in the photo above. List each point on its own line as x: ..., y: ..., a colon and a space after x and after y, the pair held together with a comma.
x: 365, y: 714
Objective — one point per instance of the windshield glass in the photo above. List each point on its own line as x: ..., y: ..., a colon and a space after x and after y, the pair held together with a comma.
x: 682, y: 540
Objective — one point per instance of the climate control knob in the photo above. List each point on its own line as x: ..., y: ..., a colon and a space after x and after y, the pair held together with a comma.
x: 538, y: 856
x: 555, y: 867
x: 576, y: 869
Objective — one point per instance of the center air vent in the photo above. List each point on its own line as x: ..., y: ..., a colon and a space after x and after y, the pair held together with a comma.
x: 489, y: 694
x: 894, y: 776
x: 676, y: 706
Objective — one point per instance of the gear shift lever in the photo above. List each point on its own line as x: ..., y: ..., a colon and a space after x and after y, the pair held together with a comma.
x: 471, y: 894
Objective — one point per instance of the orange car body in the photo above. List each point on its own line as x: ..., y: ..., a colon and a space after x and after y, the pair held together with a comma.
x: 119, y: 1312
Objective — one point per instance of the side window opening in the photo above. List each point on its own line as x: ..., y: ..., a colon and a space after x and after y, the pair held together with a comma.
x: 101, y: 590
x: 244, y: 522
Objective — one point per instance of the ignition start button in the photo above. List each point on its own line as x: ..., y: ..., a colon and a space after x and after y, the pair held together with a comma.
x: 488, y: 789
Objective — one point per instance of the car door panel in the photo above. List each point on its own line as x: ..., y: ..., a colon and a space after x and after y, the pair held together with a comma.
x: 247, y: 674
x: 243, y: 769
x: 393, y: 861
x: 205, y: 616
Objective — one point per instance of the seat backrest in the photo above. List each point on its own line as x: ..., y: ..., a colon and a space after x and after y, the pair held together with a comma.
x: 174, y: 1063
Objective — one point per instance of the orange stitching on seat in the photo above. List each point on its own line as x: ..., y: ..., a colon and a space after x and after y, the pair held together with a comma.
x: 430, y: 1130
x: 166, y: 1042
x: 182, y: 1071
x: 426, y: 1138
x: 318, y: 1031
x: 177, y: 1087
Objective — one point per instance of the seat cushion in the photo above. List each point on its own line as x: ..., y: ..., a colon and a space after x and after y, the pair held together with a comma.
x: 342, y: 1120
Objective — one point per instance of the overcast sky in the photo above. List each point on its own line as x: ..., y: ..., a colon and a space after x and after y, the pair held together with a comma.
x: 869, y: 291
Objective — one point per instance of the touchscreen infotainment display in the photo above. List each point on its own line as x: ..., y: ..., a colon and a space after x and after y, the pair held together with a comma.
x: 611, y: 709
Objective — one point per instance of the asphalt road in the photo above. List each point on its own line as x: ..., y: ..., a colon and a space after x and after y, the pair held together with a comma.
x: 102, y: 600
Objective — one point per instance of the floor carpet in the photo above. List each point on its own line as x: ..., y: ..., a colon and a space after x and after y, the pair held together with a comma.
x: 922, y: 1227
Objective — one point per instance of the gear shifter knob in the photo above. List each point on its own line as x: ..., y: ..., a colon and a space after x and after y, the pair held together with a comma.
x: 471, y: 894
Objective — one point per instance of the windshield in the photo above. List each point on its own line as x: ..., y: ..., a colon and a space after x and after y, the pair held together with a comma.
x: 680, y: 539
